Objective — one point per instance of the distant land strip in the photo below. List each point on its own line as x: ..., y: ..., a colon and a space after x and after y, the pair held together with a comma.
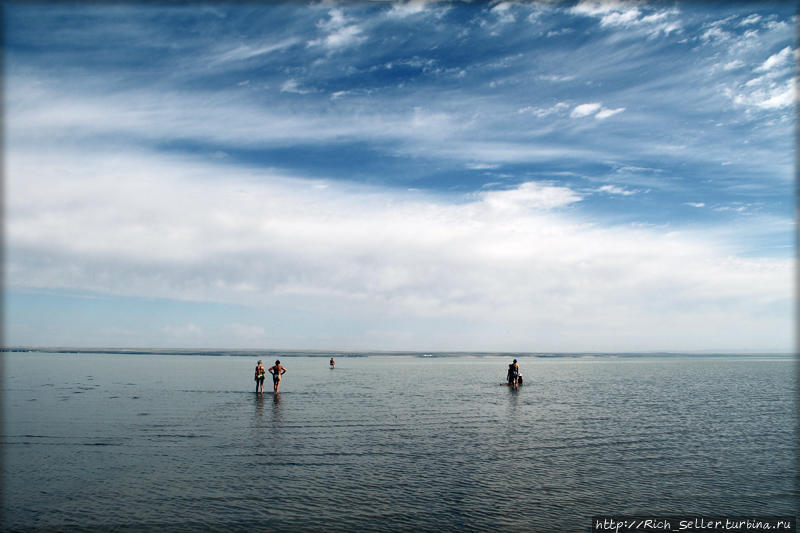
x: 372, y: 353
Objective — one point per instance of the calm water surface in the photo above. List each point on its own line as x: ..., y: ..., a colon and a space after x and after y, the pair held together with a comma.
x: 182, y: 443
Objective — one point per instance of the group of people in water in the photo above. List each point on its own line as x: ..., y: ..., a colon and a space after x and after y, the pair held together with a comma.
x: 513, y: 376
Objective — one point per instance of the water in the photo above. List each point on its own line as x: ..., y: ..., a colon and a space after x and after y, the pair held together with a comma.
x: 182, y: 443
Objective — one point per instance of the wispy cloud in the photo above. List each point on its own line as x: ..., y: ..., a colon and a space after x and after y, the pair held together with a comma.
x: 244, y: 52
x: 630, y: 15
x: 605, y: 113
x: 504, y: 12
x: 542, y: 112
x: 764, y: 93
x: 338, y: 32
x: 716, y: 34
x: 409, y: 8
x: 777, y: 60
x: 594, y: 109
x: 291, y: 86
x: 736, y: 63
x: 752, y: 19
x: 614, y: 189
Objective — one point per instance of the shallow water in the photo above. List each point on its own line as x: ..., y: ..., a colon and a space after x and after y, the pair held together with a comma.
x: 181, y: 443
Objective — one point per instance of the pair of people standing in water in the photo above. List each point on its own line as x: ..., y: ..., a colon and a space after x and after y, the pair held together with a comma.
x: 277, y: 371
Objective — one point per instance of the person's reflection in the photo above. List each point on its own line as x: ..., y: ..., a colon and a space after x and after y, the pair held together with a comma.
x: 259, y: 407
x: 276, y: 407
x: 259, y: 424
x: 277, y: 414
x: 513, y: 403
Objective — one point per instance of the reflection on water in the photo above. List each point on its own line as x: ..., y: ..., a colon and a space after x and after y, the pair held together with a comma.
x: 276, y: 409
x: 259, y: 407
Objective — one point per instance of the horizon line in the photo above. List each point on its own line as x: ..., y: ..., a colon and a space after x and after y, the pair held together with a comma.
x: 244, y: 351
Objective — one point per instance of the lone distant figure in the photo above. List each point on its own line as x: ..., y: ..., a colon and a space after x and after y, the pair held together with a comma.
x: 260, y: 373
x: 332, y: 362
x: 277, y: 371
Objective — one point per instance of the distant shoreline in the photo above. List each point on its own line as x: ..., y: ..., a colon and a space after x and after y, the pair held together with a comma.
x: 376, y: 353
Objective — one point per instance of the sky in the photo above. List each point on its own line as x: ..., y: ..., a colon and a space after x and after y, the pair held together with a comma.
x: 369, y: 175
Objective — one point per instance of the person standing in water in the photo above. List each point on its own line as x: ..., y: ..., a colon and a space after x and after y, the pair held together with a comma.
x: 277, y: 371
x: 260, y: 373
x: 332, y: 362
x: 513, y: 374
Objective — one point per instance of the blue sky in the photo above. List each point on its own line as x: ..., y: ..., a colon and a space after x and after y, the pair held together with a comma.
x: 545, y: 176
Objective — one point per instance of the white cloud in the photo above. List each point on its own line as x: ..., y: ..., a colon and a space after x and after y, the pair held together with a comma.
x: 596, y: 109
x: 620, y: 18
x: 482, y: 166
x: 291, y: 86
x: 542, y: 112
x: 584, y: 110
x: 244, y: 52
x: 613, y: 189
x: 344, y: 37
x: 86, y: 117
x: 736, y: 208
x: 749, y: 34
x: 773, y: 88
x: 763, y: 94
x: 503, y: 12
x: 732, y: 65
x: 406, y: 9
x: 597, y: 7
x: 605, y: 113
x: 776, y: 60
x: 656, y: 18
x: 556, y: 77
x: 144, y: 225
x: 560, y: 31
x: 504, y: 152
x: 629, y: 15
x: 340, y: 34
x: 530, y: 195
x: 715, y: 33
x: 752, y: 19
x: 779, y: 97
x: 154, y: 116
x: 696, y: 204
